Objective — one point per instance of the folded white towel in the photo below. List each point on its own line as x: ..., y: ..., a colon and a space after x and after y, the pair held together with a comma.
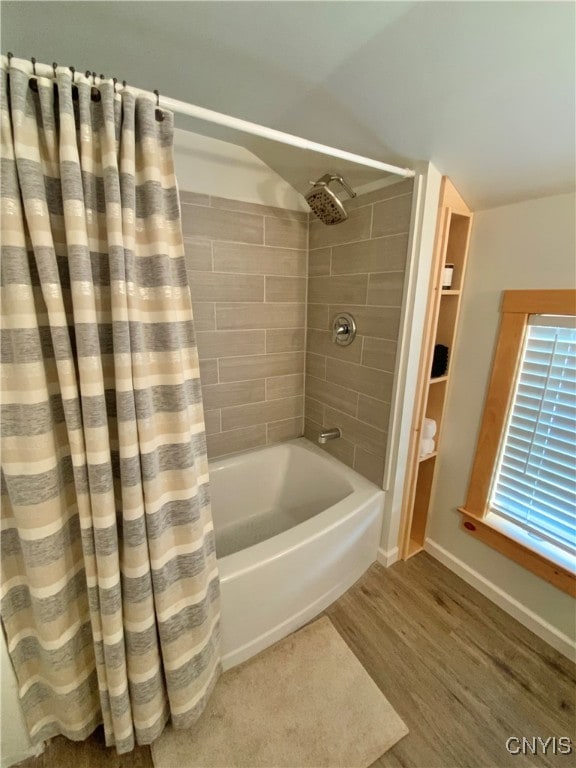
x: 429, y: 428
x: 427, y: 446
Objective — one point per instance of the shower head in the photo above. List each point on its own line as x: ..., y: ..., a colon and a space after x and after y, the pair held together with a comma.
x: 324, y: 203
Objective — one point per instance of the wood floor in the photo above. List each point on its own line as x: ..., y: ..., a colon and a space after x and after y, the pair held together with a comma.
x: 462, y: 674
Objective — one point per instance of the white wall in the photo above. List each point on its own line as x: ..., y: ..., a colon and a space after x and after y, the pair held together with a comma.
x: 525, y: 245
x: 14, y: 742
x: 214, y: 167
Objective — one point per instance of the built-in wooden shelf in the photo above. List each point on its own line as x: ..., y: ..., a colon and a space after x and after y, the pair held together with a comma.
x: 451, y: 247
x: 414, y: 547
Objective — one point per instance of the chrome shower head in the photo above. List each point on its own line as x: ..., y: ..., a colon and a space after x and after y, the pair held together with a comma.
x: 324, y: 203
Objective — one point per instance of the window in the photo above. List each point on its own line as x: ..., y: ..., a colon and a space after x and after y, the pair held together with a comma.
x: 522, y: 494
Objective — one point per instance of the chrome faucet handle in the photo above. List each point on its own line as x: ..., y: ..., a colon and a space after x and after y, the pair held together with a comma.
x: 343, y: 329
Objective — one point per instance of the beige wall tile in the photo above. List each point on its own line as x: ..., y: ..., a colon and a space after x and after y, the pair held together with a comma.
x: 326, y: 392
x: 198, y: 255
x: 258, y: 259
x: 315, y: 365
x: 204, y: 316
x: 392, y: 216
x: 320, y: 343
x: 369, y: 465
x: 241, y: 315
x: 214, y: 286
x: 356, y: 432
x: 237, y: 440
x: 216, y: 224
x: 260, y: 366
x: 314, y: 410
x: 375, y: 412
x: 286, y: 289
x: 208, y: 372
x: 285, y: 339
x: 356, y: 227
x: 382, y: 254
x: 284, y: 386
x: 385, y: 288
x: 319, y: 262
x: 261, y: 413
x: 193, y: 198
x: 379, y: 353
x: 384, y: 193
x: 318, y: 316
x: 369, y: 381
x: 347, y: 289
x: 285, y: 233
x: 230, y: 343
x: 380, y: 322
x: 288, y: 429
x: 236, y: 393
x: 257, y: 209
x: 212, y: 420
x: 312, y: 429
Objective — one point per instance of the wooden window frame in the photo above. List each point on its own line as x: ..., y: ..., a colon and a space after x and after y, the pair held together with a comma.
x: 516, y: 308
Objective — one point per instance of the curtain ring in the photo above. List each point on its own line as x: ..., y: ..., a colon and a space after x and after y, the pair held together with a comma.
x: 115, y: 81
x: 159, y: 114
x: 95, y: 94
x: 74, y: 86
x: 54, y: 65
x: 124, y: 83
x: 32, y: 82
x: 9, y: 56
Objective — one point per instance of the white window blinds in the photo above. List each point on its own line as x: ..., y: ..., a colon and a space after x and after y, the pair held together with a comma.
x: 535, y: 484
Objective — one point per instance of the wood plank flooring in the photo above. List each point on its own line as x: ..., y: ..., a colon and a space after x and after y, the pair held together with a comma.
x: 462, y: 674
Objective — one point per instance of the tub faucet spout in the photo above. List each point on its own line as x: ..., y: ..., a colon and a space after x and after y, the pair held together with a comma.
x: 329, y: 434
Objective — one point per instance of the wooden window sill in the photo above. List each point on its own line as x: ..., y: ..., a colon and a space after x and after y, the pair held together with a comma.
x: 560, y: 577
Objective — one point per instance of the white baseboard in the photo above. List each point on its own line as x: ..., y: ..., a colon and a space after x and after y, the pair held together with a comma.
x: 387, y: 558
x: 558, y: 640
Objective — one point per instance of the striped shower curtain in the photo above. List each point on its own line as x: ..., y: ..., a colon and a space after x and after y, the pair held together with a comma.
x: 110, y: 596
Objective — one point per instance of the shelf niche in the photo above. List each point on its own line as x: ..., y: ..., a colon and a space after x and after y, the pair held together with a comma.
x: 453, y: 229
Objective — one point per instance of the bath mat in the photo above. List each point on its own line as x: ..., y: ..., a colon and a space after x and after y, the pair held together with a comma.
x: 305, y: 702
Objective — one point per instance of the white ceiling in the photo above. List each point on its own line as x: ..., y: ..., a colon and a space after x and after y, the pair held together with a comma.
x: 485, y: 90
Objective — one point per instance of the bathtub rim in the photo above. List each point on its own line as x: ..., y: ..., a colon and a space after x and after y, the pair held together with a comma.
x: 363, y: 494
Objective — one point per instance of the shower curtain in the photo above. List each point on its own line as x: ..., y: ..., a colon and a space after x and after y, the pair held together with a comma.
x: 110, y: 594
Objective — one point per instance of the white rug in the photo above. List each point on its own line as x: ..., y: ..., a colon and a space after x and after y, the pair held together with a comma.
x: 306, y: 702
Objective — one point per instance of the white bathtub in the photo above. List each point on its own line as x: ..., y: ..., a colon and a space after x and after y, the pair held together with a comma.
x: 295, y: 529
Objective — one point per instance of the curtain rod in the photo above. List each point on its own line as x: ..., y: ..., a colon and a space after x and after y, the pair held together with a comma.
x: 208, y: 115
x: 255, y: 129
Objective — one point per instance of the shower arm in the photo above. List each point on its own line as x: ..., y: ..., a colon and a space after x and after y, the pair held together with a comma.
x: 325, y: 180
x: 341, y: 181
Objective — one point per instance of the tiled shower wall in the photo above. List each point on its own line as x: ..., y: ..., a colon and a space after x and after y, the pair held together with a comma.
x: 247, y: 270
x: 358, y: 267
